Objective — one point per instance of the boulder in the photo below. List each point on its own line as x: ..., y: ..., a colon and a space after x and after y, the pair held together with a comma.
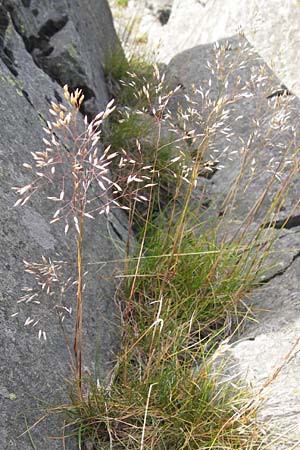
x: 176, y: 35
x: 267, y: 354
x: 259, y: 130
x: 270, y: 26
x: 34, y: 373
x: 69, y: 41
x: 255, y: 134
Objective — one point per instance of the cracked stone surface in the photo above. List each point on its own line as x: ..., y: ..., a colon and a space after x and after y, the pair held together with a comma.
x: 34, y: 374
x: 69, y: 40
x: 268, y: 134
x: 146, y: 20
x: 269, y: 344
x: 270, y: 26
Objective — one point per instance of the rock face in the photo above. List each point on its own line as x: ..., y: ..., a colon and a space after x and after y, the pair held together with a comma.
x: 257, y: 137
x: 146, y: 20
x: 42, y: 45
x: 270, y: 26
x: 68, y: 40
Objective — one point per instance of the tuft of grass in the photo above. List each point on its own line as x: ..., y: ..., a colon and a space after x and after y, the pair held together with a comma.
x: 141, y: 127
x: 184, y: 283
x: 142, y: 39
x: 126, y: 78
x: 183, y: 294
x: 198, y: 276
x: 168, y: 410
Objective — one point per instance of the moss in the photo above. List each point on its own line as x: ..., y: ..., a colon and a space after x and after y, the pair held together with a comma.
x: 12, y: 396
x: 10, y: 29
x: 12, y: 81
x: 72, y: 51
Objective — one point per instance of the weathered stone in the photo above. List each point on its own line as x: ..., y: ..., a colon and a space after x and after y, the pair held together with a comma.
x: 271, y: 125
x: 270, y: 344
x: 70, y: 41
x: 33, y: 374
x: 146, y: 20
x: 270, y: 26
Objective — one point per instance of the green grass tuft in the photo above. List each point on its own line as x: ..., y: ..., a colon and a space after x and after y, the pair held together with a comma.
x: 171, y: 409
x: 127, y: 77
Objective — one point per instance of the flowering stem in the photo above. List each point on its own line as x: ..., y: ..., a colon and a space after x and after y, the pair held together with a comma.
x: 78, y: 327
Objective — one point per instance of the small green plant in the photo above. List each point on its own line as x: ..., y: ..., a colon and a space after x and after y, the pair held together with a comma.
x: 122, y: 3
x: 127, y: 77
x: 171, y: 409
x: 140, y: 127
x: 142, y: 39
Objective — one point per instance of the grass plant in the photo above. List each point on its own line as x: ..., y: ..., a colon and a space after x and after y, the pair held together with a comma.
x: 184, y: 284
x: 127, y: 76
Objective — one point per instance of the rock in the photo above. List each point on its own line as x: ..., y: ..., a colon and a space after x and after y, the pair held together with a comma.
x: 271, y: 27
x: 140, y: 25
x: 260, y: 135
x: 34, y: 374
x: 176, y: 35
x: 164, y: 15
x: 70, y: 42
x: 270, y: 344
x: 251, y: 115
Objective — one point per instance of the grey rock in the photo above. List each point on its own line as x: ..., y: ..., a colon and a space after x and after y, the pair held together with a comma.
x: 177, y: 34
x: 269, y: 344
x: 146, y: 20
x: 270, y: 26
x: 261, y: 134
x: 161, y: 9
x: 70, y: 41
x: 34, y: 375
